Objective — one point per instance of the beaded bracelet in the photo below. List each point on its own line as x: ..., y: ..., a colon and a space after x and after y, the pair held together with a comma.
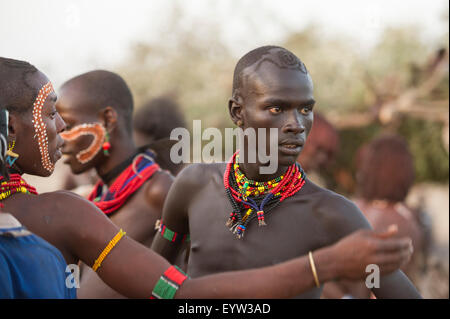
x: 168, y: 283
x: 170, y: 235
x: 105, y: 252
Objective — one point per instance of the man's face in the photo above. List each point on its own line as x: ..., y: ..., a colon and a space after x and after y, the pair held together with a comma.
x: 39, y: 149
x: 75, y: 112
x: 282, y: 99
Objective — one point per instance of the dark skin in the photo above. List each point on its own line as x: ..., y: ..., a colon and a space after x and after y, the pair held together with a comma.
x: 138, y: 215
x: 80, y: 231
x: 313, y: 218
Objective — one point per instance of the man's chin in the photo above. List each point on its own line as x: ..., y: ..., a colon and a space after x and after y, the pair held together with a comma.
x: 287, y: 160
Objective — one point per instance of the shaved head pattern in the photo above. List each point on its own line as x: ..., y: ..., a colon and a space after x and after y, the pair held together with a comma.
x: 280, y: 57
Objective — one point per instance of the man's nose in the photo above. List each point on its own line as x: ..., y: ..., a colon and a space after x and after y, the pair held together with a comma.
x: 294, y: 123
x: 60, y: 124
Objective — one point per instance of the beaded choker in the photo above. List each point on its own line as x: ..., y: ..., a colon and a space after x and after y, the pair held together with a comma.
x: 109, y: 200
x: 15, y: 184
x: 252, y: 199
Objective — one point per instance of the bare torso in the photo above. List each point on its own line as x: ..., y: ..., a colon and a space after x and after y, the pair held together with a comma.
x: 302, y: 223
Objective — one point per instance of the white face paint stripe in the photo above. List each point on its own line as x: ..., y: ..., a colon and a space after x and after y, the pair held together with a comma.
x: 95, y: 129
x: 39, y: 126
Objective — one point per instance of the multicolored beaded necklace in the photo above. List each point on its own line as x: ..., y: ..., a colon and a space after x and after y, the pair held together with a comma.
x: 251, y: 199
x: 15, y: 184
x: 110, y: 199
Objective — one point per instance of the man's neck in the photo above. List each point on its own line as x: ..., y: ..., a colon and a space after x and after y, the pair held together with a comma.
x: 120, y: 153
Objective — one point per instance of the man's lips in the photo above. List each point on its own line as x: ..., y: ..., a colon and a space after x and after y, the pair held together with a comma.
x: 291, y: 147
x: 291, y: 143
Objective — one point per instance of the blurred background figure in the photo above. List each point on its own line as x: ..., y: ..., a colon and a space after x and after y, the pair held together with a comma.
x: 320, y: 150
x: 384, y: 176
x: 152, y: 124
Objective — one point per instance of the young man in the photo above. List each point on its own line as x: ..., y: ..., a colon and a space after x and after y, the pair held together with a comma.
x: 271, y: 89
x: 132, y: 187
x: 80, y: 231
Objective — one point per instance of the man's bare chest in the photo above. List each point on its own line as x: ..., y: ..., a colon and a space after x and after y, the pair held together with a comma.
x: 292, y: 230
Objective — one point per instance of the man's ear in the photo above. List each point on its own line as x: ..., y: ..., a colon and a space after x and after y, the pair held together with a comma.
x: 13, y: 126
x: 109, y: 117
x: 235, y: 108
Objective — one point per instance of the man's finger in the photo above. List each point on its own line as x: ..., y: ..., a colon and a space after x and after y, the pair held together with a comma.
x: 398, y: 258
x: 391, y: 231
x: 391, y: 245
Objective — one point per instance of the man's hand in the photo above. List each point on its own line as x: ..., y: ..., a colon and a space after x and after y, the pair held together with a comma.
x: 353, y: 253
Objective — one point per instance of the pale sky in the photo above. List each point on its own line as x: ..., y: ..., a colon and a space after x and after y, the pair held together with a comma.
x: 66, y: 37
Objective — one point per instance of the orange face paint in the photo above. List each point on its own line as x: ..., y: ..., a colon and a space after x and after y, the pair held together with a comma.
x: 40, y: 128
x: 97, y: 130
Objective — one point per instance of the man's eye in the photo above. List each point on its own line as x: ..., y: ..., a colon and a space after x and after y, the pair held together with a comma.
x: 53, y: 114
x: 306, y: 110
x: 275, y: 110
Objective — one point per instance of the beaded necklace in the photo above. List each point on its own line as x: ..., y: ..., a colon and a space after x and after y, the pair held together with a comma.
x: 15, y: 184
x: 110, y: 199
x: 248, y: 197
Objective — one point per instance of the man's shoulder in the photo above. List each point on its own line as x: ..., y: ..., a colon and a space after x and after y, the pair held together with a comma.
x: 198, y: 174
x: 61, y: 202
x: 156, y: 188
x: 335, y: 207
x: 325, y: 196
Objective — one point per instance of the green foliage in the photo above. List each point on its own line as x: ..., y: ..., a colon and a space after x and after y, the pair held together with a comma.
x: 431, y: 160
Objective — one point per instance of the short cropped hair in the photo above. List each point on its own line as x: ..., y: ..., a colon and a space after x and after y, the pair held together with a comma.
x: 104, y: 88
x: 16, y: 94
x: 286, y: 60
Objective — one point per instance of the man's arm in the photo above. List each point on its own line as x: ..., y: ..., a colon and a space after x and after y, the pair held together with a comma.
x: 175, y: 213
x: 133, y: 270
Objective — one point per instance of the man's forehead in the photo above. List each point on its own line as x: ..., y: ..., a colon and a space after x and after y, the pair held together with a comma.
x: 268, y: 79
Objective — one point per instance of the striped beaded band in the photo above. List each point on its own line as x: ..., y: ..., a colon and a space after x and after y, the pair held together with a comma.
x: 170, y: 235
x: 105, y: 252
x: 95, y: 129
x: 169, y: 283
x: 39, y: 126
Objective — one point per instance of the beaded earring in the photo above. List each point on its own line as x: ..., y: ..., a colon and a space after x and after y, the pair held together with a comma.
x: 239, y: 123
x: 11, y: 157
x: 106, y: 145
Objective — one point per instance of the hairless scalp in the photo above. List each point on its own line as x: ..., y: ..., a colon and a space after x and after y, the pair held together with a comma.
x: 100, y: 88
x: 278, y: 56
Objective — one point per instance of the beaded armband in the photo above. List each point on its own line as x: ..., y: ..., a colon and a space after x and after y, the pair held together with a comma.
x: 168, y: 284
x: 171, y: 235
x: 105, y: 252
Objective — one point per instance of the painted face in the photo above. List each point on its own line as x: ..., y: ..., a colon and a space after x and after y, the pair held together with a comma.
x: 37, y: 133
x: 96, y: 130
x: 281, y: 98
x: 84, y: 135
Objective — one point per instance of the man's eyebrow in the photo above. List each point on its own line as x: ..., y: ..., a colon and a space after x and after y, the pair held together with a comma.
x: 277, y: 101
